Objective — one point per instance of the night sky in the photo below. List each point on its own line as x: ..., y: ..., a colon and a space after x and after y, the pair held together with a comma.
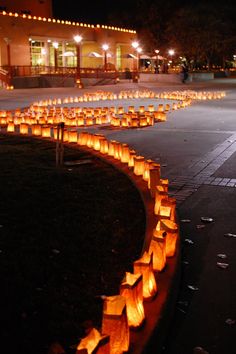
x: 92, y: 11
x: 104, y: 11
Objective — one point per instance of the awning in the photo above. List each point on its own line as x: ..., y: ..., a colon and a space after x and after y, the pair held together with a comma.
x: 144, y: 56
x: 67, y: 54
x: 129, y: 56
x: 94, y: 55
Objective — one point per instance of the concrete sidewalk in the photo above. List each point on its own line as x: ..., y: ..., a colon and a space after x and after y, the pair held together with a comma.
x: 196, y: 148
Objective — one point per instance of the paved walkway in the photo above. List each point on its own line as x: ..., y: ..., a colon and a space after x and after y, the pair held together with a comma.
x: 196, y: 148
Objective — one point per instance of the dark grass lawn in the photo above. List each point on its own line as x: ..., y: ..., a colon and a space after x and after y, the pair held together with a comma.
x: 67, y: 236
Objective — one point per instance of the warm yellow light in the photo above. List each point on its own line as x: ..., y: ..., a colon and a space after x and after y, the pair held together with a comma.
x: 94, y: 342
x: 132, y: 289
x: 158, y: 249
x: 139, y: 164
x: 171, y: 229
x: 144, y: 265
x: 115, y: 323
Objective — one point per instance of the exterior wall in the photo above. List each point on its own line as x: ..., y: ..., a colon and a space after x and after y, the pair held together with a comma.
x: 32, y: 7
x: 18, y: 30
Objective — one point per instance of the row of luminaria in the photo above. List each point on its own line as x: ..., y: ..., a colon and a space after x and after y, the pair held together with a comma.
x: 125, y: 310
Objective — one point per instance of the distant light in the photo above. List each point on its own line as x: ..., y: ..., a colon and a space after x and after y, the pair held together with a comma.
x: 171, y: 51
x: 77, y: 38
x: 105, y: 47
x: 135, y: 44
x: 55, y: 45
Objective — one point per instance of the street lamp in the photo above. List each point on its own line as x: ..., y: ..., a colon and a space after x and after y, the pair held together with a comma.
x: 55, y: 46
x: 157, y: 51
x: 135, y: 45
x: 139, y: 50
x: 78, y: 40
x: 105, y: 48
x: 171, y: 52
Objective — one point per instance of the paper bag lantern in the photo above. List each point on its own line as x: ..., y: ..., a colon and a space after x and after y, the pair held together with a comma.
x: 132, y: 154
x: 131, y: 109
x: 139, y: 165
x: 46, y: 131
x: 10, y: 127
x: 120, y: 110
x: 83, y: 138
x: 158, y: 248
x: 164, y: 212
x: 151, y: 108
x: 94, y: 343
x: 89, y: 121
x: 154, y: 178
x: 97, y: 141
x: 115, y: 323
x: 72, y: 136
x: 134, y: 123
x: 159, y: 195
x: 171, y: 203
x: 117, y: 150
x: 147, y: 166
x: 80, y: 120
x: 65, y: 135
x: 143, y: 121
x: 132, y: 289
x: 36, y: 129
x: 111, y: 147
x: 165, y: 184
x: 115, y: 121
x: 160, y: 108
x: 125, y: 153
x: 42, y: 120
x: 171, y: 229
x: 144, y: 265
x: 90, y: 140
x: 124, y: 121
x: 24, y: 128
x: 104, y: 145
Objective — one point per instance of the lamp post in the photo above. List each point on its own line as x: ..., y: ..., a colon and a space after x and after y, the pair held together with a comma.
x: 139, y: 50
x: 105, y: 48
x: 78, y: 40
x: 157, y: 51
x: 171, y: 52
x: 55, y: 46
x: 135, y: 45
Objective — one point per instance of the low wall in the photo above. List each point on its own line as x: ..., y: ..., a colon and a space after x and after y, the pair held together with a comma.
x: 176, y: 78
x: 56, y: 81
x: 42, y: 81
x: 196, y: 76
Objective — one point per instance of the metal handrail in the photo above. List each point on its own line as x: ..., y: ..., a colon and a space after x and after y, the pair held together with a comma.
x: 27, y: 70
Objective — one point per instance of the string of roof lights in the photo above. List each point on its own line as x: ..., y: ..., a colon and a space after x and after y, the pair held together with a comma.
x: 65, y: 22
